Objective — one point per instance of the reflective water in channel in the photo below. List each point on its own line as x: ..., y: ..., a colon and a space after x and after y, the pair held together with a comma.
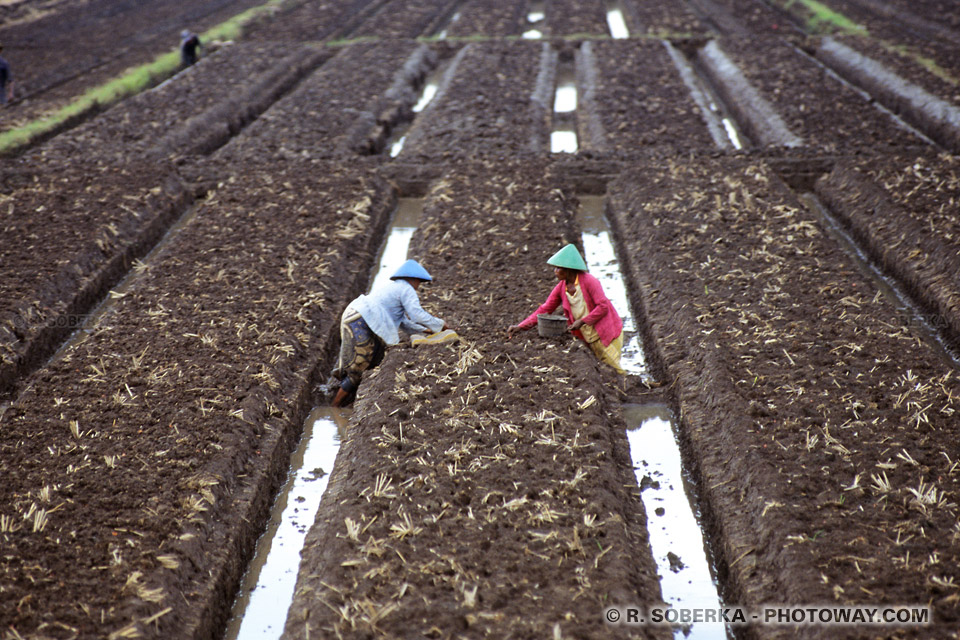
x: 260, y: 610
x: 675, y: 534
x: 563, y: 138
x: 616, y: 23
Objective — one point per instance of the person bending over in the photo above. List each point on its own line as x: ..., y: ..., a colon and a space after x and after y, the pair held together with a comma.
x: 590, y: 314
x: 372, y: 322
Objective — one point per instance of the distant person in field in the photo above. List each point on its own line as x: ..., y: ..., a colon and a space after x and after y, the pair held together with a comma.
x: 373, y: 321
x: 189, y: 48
x: 6, y: 81
x: 590, y: 314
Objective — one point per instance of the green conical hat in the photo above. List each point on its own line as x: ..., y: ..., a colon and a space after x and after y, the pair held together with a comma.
x: 568, y: 258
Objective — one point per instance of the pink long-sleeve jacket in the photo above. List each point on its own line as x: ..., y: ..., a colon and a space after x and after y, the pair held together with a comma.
x: 600, y: 312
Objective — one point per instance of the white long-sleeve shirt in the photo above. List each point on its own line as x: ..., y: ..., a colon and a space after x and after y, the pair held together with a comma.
x: 393, y: 306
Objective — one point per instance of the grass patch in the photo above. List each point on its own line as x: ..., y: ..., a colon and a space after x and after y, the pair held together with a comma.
x: 821, y: 19
x: 927, y: 63
x: 826, y: 20
x: 133, y: 81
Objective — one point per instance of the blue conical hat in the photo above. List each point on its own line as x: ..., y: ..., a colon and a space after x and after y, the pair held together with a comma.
x: 412, y: 269
x: 568, y: 258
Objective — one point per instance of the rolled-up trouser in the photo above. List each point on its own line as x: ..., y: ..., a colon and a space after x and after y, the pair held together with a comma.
x: 360, y: 349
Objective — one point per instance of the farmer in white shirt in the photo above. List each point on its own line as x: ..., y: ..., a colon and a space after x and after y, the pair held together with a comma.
x: 373, y: 321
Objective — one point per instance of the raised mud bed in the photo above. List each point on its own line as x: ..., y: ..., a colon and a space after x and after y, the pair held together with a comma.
x: 309, y: 20
x: 65, y: 51
x: 344, y: 107
x: 112, y: 207
x: 903, y: 209
x: 901, y: 84
x: 496, y: 99
x: 633, y: 98
x: 147, y: 452
x: 484, y: 489
x: 743, y: 18
x: 816, y: 424
x: 916, y: 34
x: 815, y: 107
x: 405, y: 19
x: 661, y: 19
x: 573, y: 17
x: 487, y: 18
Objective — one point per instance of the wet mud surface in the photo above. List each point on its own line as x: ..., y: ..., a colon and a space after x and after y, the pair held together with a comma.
x: 484, y: 488
x: 58, y: 50
x: 915, y: 197
x: 841, y: 413
x: 431, y: 514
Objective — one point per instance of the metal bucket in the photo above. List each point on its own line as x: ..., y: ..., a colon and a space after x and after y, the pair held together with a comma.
x: 549, y: 326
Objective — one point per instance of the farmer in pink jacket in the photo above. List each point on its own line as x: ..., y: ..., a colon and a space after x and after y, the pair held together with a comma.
x: 590, y: 315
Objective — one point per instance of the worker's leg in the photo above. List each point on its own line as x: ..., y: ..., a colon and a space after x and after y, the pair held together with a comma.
x: 360, y: 349
x: 609, y: 354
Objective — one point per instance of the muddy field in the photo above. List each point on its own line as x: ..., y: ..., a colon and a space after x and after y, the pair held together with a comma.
x: 207, y: 234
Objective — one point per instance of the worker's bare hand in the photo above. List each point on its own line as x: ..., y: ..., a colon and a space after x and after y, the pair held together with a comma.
x: 576, y: 325
x: 512, y: 329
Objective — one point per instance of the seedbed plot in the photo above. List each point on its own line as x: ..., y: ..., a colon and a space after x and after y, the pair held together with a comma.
x: 487, y: 18
x: 103, y: 216
x: 662, y: 19
x: 146, y: 454
x: 109, y: 208
x: 487, y: 490
x: 80, y: 45
x: 742, y: 18
x: 822, y: 111
x: 404, y: 19
x: 568, y: 17
x: 912, y: 63
x: 634, y: 93
x: 927, y: 44
x: 922, y: 94
x: 935, y: 11
x: 903, y: 208
x: 818, y: 427
x: 340, y: 108
x: 498, y: 101
x: 221, y: 94
x: 308, y: 20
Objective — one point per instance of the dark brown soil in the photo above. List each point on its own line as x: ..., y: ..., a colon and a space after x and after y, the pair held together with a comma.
x: 813, y: 103
x: 844, y: 488
x: 630, y: 103
x: 493, y: 105
x: 662, y: 19
x: 904, y: 210
x: 570, y: 17
x: 145, y: 453
x: 489, y: 18
x: 110, y: 208
x: 142, y: 459
x: 66, y: 48
x: 489, y: 482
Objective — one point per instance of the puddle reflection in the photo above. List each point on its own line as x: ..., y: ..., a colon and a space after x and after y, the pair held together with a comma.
x: 675, y: 534
x: 261, y: 608
x: 617, y: 25
x: 563, y: 142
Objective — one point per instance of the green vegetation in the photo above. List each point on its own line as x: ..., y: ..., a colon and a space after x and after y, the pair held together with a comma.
x: 822, y: 19
x: 925, y: 62
x: 133, y: 81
